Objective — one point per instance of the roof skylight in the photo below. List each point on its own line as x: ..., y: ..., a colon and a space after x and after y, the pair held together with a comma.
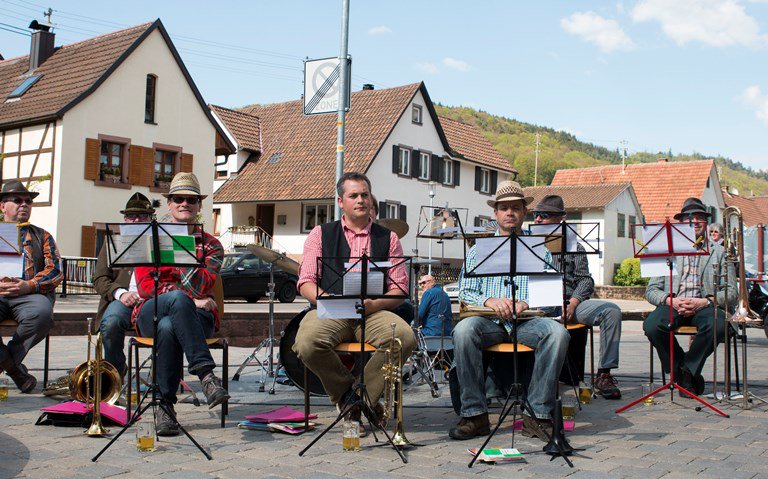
x: 25, y: 85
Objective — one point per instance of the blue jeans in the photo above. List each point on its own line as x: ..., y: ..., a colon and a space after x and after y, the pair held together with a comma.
x: 115, y: 322
x: 182, y: 329
x: 473, y: 334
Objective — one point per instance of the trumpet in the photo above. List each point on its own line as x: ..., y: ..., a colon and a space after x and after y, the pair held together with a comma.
x: 734, y: 248
x: 393, y: 389
x: 467, y: 310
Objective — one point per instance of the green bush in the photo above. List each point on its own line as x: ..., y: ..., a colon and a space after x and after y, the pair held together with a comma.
x: 628, y: 274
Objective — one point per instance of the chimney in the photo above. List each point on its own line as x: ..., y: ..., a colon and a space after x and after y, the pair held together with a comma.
x: 663, y: 160
x: 367, y: 86
x: 42, y: 44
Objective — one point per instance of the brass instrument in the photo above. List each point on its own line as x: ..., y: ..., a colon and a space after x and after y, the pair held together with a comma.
x: 109, y: 380
x: 467, y: 310
x: 734, y: 251
x: 393, y: 388
x: 94, y: 374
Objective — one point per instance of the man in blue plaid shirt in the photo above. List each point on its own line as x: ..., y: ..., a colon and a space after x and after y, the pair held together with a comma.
x: 471, y: 335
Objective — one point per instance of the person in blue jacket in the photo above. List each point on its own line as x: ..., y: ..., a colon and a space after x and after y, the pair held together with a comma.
x: 434, y: 308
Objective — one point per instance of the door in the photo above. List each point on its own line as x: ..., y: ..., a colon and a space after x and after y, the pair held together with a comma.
x: 265, y: 218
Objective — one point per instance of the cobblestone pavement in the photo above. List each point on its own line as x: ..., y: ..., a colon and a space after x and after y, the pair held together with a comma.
x: 667, y: 439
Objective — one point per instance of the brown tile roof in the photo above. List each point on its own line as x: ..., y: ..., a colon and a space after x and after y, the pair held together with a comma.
x: 67, y: 74
x: 661, y: 187
x: 244, y: 126
x: 470, y: 143
x: 754, y: 209
x: 579, y: 197
x: 298, y: 159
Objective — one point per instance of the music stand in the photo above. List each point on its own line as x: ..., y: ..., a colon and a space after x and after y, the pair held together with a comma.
x: 507, y: 257
x: 359, y: 396
x: 661, y: 243
x: 153, y: 244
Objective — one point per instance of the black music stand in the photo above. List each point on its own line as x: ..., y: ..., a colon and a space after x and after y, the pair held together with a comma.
x: 510, y: 256
x: 666, y: 241
x: 359, y: 396
x: 146, y: 250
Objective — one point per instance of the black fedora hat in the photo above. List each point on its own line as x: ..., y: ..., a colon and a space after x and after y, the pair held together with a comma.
x: 692, y: 206
x: 16, y: 187
x: 550, y: 204
x: 138, y: 204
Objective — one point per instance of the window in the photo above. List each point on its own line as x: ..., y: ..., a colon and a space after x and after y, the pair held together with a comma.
x: 220, y: 174
x: 483, y: 221
x: 393, y: 210
x: 149, y: 99
x: 447, y: 172
x: 314, y: 215
x: 216, y: 221
x: 424, y: 166
x: 25, y: 85
x: 416, y: 113
x: 404, y: 166
x: 164, y: 166
x: 621, y: 226
x: 632, y: 220
x: 111, y: 162
x: 485, y: 181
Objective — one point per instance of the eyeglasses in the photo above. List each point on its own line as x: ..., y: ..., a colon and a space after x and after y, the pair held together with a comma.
x: 136, y: 217
x: 20, y: 201
x: 422, y: 283
x: 191, y: 200
x: 544, y: 216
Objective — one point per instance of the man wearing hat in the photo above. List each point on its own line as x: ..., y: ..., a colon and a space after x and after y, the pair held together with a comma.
x: 579, y: 286
x: 691, y: 296
x: 27, y: 298
x: 117, y: 288
x: 471, y: 335
x: 187, y: 310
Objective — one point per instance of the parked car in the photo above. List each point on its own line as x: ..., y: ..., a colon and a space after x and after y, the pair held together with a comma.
x: 246, y: 276
x: 452, y: 290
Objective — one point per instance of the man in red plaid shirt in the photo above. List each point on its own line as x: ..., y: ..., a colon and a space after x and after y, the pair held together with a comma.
x: 187, y: 311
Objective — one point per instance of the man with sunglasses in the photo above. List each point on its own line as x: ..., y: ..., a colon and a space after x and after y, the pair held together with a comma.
x: 28, y: 298
x: 187, y: 310
x: 118, y: 290
x: 434, y: 308
x: 579, y: 286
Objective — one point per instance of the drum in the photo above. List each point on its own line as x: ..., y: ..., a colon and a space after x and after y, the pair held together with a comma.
x: 292, y: 365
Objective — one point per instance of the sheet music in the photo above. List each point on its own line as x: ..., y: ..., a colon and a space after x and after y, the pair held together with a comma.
x: 353, y: 280
x: 531, y: 259
x: 9, y: 238
x: 652, y: 267
x: 134, y: 244
x: 11, y: 265
x: 545, y: 291
x: 683, y: 238
x: 654, y: 243
x: 493, y: 255
x: 337, y: 308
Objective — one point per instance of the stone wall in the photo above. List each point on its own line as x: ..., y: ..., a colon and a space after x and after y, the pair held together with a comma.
x: 634, y: 293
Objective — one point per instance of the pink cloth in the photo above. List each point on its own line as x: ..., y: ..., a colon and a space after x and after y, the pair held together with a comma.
x: 358, y: 242
x: 116, y: 414
x: 283, y: 414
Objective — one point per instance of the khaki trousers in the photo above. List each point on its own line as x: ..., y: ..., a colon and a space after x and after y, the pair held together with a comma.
x: 316, y: 339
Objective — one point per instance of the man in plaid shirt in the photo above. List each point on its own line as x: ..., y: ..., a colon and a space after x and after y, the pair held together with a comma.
x: 471, y: 335
x: 187, y: 311
x: 27, y: 299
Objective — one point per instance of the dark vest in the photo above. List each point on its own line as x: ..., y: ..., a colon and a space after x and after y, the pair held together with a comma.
x: 336, y: 249
x: 38, y: 254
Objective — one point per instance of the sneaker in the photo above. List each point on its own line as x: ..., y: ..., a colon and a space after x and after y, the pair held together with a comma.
x: 469, y: 427
x: 24, y: 381
x: 535, y: 427
x: 215, y: 394
x: 607, y: 386
x: 164, y: 424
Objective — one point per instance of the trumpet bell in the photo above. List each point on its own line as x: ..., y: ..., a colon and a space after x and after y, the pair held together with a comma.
x: 83, y: 390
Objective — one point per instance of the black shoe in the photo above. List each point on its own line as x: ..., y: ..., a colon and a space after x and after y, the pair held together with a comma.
x: 164, y: 424
x: 215, y: 394
x: 24, y: 381
x: 607, y: 386
x: 698, y: 384
x: 684, y: 378
x: 535, y: 427
x: 469, y: 427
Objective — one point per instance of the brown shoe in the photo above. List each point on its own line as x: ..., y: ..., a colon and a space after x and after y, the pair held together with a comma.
x: 24, y: 381
x: 534, y: 427
x: 469, y: 427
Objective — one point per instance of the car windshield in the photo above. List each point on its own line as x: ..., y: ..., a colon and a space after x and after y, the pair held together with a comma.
x: 229, y: 260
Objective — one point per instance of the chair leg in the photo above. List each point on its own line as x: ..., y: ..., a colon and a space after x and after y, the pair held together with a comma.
x: 306, y: 399
x: 46, y: 359
x: 592, y: 355
x: 130, y: 368
x: 138, y: 369
x: 225, y: 367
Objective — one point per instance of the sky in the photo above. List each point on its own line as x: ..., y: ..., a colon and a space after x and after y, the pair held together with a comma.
x: 680, y: 75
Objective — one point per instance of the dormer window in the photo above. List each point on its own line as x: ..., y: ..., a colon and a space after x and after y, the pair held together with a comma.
x: 25, y: 85
x: 149, y: 99
x: 416, y: 114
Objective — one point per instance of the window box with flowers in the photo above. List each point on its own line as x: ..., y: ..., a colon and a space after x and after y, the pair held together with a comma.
x: 163, y: 181
x: 111, y: 175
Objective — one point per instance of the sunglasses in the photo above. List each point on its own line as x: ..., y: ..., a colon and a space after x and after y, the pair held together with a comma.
x: 544, y: 216
x: 20, y: 201
x: 191, y: 200
x: 136, y: 217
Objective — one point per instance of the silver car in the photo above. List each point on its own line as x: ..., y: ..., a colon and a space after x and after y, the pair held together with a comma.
x: 452, y: 290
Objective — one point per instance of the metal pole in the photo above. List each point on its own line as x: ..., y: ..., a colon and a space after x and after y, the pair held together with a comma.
x: 340, y: 124
x: 431, y: 214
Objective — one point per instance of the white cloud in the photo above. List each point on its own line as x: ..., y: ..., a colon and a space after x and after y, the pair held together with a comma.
x: 380, y: 30
x: 459, y: 65
x: 719, y: 23
x: 427, y: 67
x: 606, y: 34
x: 753, y: 97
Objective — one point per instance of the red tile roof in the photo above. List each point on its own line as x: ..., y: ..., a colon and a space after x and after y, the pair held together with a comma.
x: 244, y: 126
x: 470, y: 143
x: 753, y: 209
x: 579, y: 197
x: 661, y: 187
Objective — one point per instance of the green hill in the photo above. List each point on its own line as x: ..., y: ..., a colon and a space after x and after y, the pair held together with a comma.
x: 516, y: 141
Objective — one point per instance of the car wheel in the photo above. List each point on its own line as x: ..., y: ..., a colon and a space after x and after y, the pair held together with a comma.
x: 287, y: 293
x: 253, y: 299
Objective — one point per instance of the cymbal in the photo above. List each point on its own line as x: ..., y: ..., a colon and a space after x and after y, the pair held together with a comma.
x: 400, y: 227
x: 278, y: 259
x: 417, y: 261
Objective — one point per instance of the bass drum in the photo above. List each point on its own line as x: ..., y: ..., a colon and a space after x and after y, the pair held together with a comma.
x: 292, y: 365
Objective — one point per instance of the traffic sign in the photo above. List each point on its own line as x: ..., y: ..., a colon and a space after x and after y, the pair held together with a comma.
x: 322, y: 80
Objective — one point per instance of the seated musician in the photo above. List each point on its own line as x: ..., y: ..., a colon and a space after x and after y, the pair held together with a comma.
x: 351, y: 236
x: 692, y: 291
x: 579, y: 286
x: 434, y: 308
x: 118, y: 290
x: 187, y: 311
x: 472, y: 334
x: 28, y: 299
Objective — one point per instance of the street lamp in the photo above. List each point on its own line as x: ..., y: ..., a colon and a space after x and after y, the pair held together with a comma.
x: 432, y: 185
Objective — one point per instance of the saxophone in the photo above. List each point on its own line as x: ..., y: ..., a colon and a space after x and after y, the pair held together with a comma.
x: 393, y: 389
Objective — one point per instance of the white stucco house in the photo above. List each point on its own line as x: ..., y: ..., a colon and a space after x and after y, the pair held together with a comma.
x: 282, y: 177
x: 90, y: 123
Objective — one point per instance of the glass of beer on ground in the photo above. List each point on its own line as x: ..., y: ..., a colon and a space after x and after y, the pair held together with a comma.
x: 647, y: 388
x: 569, y: 408
x: 3, y: 389
x: 145, y: 435
x: 585, y: 393
x: 351, y: 438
